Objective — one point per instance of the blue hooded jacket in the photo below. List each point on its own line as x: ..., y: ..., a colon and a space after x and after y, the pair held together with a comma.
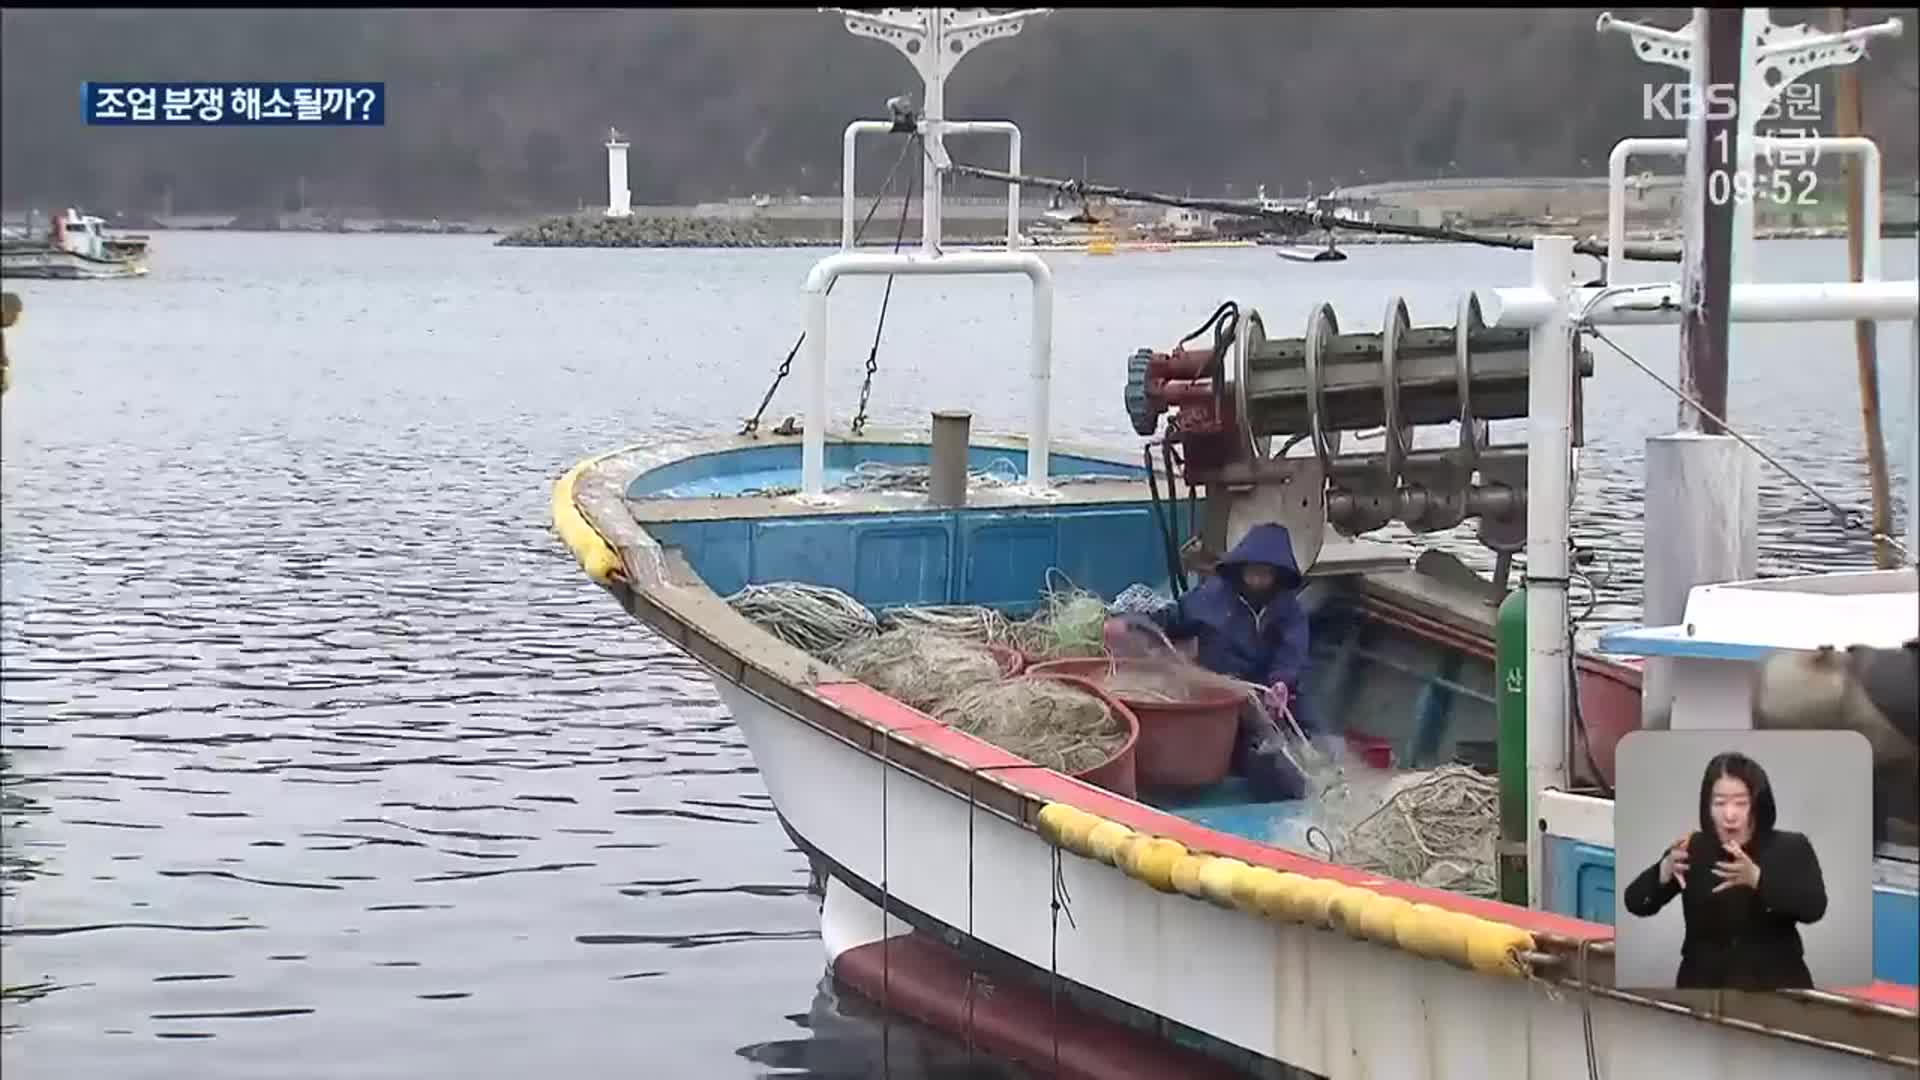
x: 1265, y: 646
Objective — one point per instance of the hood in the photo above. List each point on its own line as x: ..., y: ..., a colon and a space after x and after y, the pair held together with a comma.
x: 1270, y: 544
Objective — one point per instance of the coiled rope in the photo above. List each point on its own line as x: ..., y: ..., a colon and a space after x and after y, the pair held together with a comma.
x: 812, y: 618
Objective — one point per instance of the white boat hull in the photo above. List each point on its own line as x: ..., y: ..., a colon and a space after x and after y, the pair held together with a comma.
x: 1309, y: 998
x: 67, y: 266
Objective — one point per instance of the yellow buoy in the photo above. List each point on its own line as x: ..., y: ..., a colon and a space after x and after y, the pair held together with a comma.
x: 1343, y: 909
x: 1154, y: 865
x: 1454, y: 928
x: 1247, y: 888
x: 1314, y: 901
x: 1377, y: 917
x: 1105, y: 839
x: 1279, y: 895
x: 1127, y: 854
x: 1417, y: 930
x: 1050, y: 819
x: 1074, y: 833
x: 1491, y: 947
x: 1216, y: 881
x: 1186, y: 875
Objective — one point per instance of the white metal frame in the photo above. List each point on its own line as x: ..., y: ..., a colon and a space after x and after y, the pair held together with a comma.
x: 1773, y: 58
x: 813, y: 456
x: 1552, y: 311
x: 934, y: 40
x: 957, y: 127
x: 1851, y: 145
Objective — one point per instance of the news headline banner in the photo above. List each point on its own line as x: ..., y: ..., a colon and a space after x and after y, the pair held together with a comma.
x: 202, y: 104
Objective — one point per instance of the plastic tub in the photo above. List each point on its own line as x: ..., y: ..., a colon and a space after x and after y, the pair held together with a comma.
x: 1182, y: 746
x: 1012, y: 661
x: 1116, y: 774
x: 1375, y: 751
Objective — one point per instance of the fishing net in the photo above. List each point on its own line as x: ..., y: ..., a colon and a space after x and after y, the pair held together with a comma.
x: 813, y: 618
x: 919, y: 667
x: 1050, y: 723
x: 969, y: 622
x: 1431, y: 827
x: 1066, y: 626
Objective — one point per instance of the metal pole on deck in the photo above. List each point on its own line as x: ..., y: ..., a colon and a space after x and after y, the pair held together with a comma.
x: 1865, y: 335
x: 1913, y: 443
x: 1702, y: 486
x: 1709, y: 262
x: 1549, y: 467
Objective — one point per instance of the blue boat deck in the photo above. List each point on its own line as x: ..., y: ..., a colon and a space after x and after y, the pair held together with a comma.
x: 1230, y: 807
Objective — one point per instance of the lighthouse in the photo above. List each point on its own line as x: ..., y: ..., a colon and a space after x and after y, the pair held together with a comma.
x: 619, y: 199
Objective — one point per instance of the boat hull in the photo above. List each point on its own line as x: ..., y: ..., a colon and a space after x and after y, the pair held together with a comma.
x: 1309, y: 998
x: 66, y: 266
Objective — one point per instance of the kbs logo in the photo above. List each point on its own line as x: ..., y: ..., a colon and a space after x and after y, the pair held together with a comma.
x: 1799, y: 102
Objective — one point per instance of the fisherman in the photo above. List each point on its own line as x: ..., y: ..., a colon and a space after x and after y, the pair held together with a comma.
x: 1249, y: 625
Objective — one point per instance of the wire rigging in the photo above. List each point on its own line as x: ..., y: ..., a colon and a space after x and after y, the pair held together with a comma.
x: 752, y: 425
x: 1298, y: 219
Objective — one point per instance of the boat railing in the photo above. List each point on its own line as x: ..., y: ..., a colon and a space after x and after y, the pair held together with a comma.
x: 1849, y: 145
x: 953, y: 127
x: 848, y: 263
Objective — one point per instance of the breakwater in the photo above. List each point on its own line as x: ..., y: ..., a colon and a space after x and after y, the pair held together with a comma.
x: 758, y: 231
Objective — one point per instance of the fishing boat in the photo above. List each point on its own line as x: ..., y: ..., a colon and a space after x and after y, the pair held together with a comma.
x: 1097, y: 932
x: 75, y: 247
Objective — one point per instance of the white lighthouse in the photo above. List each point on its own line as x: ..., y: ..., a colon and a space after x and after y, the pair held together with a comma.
x: 619, y: 199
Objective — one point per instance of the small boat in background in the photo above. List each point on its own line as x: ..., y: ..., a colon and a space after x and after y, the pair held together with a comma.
x: 1302, y: 253
x: 76, y: 247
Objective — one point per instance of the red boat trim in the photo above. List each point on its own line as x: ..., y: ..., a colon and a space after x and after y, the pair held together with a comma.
x: 876, y: 708
x: 931, y: 983
x: 1625, y: 673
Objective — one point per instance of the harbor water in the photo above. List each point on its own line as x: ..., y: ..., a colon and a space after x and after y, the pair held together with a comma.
x: 322, y: 758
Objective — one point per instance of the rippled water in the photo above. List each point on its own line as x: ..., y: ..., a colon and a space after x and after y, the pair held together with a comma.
x: 323, y: 759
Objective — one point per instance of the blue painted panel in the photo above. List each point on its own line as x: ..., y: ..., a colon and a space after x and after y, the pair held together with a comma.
x: 1579, y: 879
x: 726, y: 557
x: 1676, y: 642
x: 908, y: 563
x: 1896, y: 936
x: 1004, y: 557
x: 1107, y: 549
x: 1580, y: 884
x: 810, y: 549
x: 977, y: 556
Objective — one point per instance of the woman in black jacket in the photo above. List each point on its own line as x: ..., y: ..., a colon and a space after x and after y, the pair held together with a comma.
x: 1744, y: 886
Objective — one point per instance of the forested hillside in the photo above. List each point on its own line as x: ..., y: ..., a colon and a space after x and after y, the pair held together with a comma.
x: 504, y: 111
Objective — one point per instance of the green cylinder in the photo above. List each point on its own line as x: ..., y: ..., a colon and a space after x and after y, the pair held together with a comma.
x: 1510, y: 682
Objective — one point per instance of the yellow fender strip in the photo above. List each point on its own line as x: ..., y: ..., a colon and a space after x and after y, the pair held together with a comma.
x: 596, y: 556
x: 1465, y: 941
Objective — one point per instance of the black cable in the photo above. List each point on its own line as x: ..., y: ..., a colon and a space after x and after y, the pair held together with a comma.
x: 1173, y: 505
x: 1225, y: 308
x: 1579, y: 719
x: 786, y: 366
x: 1301, y: 219
x: 873, y: 354
x: 1161, y: 525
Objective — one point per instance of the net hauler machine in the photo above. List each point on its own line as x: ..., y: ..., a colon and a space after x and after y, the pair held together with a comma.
x: 1229, y: 398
